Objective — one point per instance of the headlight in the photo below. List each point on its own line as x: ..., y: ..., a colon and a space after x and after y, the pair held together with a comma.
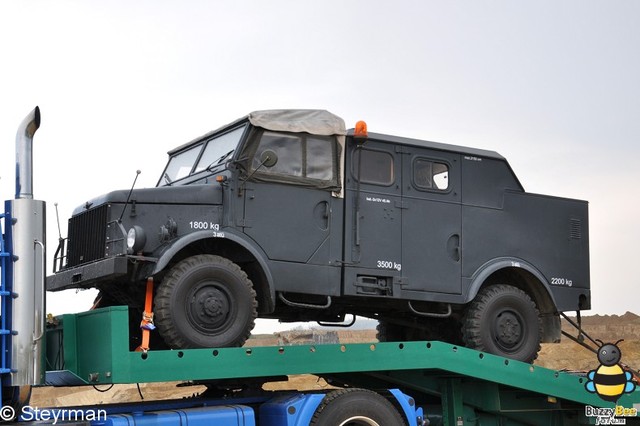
x: 136, y: 239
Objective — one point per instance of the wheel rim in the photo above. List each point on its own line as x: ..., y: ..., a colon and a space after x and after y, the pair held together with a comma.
x: 508, y: 330
x: 359, y: 421
x: 210, y: 308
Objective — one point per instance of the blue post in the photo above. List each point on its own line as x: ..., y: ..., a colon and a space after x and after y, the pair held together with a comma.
x: 6, y: 262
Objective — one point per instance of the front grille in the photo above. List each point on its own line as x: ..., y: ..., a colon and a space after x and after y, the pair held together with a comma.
x: 87, y: 236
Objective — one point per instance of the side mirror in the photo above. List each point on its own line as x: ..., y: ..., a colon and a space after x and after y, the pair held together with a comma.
x: 268, y: 158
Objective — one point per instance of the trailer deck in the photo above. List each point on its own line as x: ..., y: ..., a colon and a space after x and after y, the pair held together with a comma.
x: 90, y: 348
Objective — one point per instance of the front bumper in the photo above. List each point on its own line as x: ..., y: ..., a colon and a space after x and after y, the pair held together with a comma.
x: 89, y: 275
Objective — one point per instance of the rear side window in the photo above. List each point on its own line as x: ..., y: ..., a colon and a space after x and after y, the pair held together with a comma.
x: 376, y: 167
x: 431, y: 175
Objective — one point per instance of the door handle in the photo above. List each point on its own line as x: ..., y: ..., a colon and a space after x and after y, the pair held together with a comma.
x: 453, y: 247
x: 327, y: 210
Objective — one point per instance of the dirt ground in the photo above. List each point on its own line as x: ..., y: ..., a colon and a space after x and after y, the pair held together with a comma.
x: 566, y: 355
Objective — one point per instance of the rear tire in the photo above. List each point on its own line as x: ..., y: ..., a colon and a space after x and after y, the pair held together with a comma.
x: 390, y: 332
x: 347, y: 407
x: 205, y: 301
x: 504, y: 321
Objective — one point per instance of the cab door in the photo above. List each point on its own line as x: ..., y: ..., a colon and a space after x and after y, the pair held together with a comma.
x: 431, y: 221
x: 373, y: 221
x: 290, y: 212
x: 289, y: 223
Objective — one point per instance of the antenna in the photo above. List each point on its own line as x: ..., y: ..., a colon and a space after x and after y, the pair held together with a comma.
x: 58, y: 220
x: 129, y: 196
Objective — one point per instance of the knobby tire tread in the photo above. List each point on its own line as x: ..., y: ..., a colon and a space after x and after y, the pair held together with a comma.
x: 162, y: 302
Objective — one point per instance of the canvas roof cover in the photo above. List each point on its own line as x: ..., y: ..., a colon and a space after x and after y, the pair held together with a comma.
x: 314, y: 121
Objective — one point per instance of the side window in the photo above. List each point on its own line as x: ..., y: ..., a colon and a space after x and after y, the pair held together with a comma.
x: 376, y: 167
x: 299, y: 156
x: 428, y: 174
x: 319, y: 158
x: 288, y: 149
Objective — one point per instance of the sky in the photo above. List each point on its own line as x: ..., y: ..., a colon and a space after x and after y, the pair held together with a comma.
x: 552, y: 86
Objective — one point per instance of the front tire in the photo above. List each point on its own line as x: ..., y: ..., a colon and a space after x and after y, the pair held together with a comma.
x: 351, y: 407
x: 503, y: 320
x: 205, y: 301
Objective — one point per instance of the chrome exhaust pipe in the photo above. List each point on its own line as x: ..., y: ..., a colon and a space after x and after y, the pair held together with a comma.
x: 27, y: 235
x: 24, y: 154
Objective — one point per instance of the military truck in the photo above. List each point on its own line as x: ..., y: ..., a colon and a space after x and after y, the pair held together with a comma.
x: 285, y: 214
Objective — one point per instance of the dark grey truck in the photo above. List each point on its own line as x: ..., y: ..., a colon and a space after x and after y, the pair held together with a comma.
x: 285, y: 214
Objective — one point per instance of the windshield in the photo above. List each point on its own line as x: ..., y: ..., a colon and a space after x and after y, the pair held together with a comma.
x: 202, y: 156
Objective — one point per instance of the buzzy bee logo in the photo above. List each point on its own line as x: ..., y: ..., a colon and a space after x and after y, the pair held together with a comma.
x: 610, y: 381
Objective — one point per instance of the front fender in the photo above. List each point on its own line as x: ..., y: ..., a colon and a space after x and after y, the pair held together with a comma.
x: 227, y: 234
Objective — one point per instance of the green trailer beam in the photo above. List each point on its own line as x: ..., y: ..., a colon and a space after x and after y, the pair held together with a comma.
x: 95, y: 350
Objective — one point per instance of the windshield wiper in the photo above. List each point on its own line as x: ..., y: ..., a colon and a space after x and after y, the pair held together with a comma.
x: 219, y: 160
x: 167, y: 179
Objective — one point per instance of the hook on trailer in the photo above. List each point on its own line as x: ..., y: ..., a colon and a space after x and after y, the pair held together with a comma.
x: 581, y: 333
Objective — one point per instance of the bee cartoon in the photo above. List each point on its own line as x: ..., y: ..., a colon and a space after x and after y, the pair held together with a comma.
x: 609, y: 380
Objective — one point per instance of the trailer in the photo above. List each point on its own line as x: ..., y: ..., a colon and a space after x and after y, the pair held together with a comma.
x: 377, y: 383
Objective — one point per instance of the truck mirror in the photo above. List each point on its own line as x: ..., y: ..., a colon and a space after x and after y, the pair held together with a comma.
x: 268, y: 158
